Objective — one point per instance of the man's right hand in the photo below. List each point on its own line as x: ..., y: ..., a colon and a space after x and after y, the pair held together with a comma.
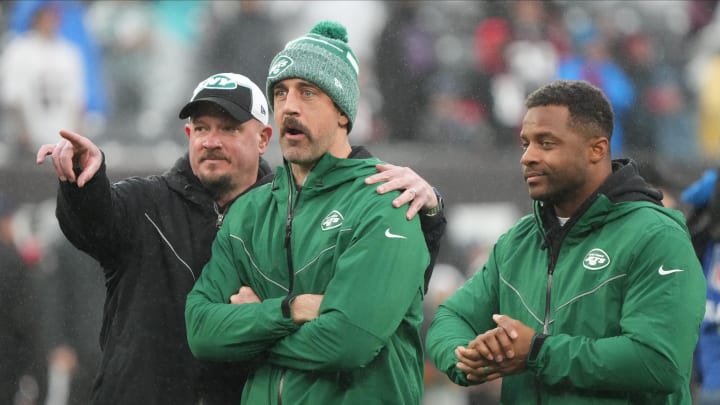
x: 74, y: 150
x: 305, y: 307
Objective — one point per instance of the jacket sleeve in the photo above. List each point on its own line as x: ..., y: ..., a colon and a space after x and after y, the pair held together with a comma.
x: 377, y: 281
x: 462, y: 317
x: 218, y: 330
x: 433, y: 228
x: 660, y: 318
x: 88, y: 216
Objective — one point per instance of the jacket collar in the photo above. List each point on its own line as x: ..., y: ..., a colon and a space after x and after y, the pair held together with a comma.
x: 330, y: 171
x: 623, y: 185
x: 182, y: 180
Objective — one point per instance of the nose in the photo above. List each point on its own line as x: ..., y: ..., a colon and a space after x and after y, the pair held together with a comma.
x: 212, y: 139
x: 528, y: 156
x: 290, y: 105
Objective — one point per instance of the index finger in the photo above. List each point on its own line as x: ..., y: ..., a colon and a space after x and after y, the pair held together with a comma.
x: 380, y: 176
x: 505, y: 322
x: 44, y: 151
x: 74, y: 138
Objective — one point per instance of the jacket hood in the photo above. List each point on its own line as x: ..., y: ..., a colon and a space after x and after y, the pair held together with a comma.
x: 624, y: 185
x: 181, y: 178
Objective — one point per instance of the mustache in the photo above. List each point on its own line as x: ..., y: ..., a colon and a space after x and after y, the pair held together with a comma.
x: 213, y: 155
x: 291, y: 123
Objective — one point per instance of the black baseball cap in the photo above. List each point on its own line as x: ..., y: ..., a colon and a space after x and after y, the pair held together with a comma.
x: 235, y: 93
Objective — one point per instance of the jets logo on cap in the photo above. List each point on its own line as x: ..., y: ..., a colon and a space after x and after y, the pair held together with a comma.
x: 280, y: 65
x: 220, y: 82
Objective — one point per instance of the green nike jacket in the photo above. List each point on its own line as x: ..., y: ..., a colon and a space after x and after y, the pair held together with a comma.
x: 346, y: 242
x: 618, y: 289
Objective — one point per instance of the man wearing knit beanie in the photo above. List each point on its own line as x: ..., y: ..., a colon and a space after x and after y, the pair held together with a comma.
x: 330, y: 275
x: 324, y: 58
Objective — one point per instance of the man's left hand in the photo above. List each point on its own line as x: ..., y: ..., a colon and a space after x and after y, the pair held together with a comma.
x: 497, y: 352
x: 415, y: 190
x: 245, y: 295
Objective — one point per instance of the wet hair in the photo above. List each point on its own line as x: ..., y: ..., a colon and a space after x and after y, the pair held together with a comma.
x: 589, y: 108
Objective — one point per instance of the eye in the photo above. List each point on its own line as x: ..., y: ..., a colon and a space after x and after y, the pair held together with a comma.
x: 279, y: 93
x: 308, y: 92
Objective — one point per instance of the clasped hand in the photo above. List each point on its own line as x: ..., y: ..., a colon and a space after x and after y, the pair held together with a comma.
x: 497, y: 352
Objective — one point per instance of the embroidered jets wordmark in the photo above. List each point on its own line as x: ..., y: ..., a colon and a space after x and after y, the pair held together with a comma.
x: 332, y: 220
x: 596, y: 259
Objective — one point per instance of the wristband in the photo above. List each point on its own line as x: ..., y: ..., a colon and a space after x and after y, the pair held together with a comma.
x: 537, y: 343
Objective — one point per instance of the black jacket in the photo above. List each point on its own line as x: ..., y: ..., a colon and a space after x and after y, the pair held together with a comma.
x: 152, y: 237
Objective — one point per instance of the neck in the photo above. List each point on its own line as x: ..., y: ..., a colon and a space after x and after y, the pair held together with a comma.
x: 301, y: 170
x: 224, y: 199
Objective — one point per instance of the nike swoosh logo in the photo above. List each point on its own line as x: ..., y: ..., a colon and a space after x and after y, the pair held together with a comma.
x: 392, y: 235
x: 664, y: 272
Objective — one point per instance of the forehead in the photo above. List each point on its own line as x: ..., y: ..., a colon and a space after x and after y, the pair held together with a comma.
x: 547, y: 118
x: 295, y: 82
x: 205, y: 109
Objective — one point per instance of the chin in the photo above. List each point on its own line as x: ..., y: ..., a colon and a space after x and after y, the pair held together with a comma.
x: 209, y: 177
x: 539, y: 196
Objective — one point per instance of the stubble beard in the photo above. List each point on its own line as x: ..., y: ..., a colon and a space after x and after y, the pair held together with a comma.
x: 218, y: 186
x: 556, y: 193
x: 299, y: 152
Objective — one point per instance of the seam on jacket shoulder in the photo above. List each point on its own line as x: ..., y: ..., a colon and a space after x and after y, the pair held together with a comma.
x: 577, y: 297
x: 254, y: 265
x: 167, y: 242
x: 521, y: 299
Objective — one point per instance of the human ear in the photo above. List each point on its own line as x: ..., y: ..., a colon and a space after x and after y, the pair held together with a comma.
x: 598, y: 148
x: 343, y: 121
x: 265, y: 135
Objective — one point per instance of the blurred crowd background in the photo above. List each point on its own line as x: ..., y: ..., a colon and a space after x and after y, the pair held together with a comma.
x: 442, y: 88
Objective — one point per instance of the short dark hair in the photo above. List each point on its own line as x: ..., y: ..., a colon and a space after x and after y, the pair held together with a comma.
x: 586, y: 103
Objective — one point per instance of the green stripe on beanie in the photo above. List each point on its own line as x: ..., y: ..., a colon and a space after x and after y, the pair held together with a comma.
x: 324, y: 58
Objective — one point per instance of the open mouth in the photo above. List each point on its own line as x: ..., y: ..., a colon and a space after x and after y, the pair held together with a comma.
x: 292, y: 127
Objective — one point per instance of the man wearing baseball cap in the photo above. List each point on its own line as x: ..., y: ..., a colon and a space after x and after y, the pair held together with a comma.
x: 153, y: 235
x: 330, y: 274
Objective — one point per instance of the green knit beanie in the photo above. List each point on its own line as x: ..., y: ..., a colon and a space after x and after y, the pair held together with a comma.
x: 323, y: 58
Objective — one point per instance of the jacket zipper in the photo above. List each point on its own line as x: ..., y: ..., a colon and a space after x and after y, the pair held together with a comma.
x: 548, y: 290
x: 552, y: 261
x: 280, y: 386
x: 285, y: 306
x: 292, y: 206
x: 220, y: 216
